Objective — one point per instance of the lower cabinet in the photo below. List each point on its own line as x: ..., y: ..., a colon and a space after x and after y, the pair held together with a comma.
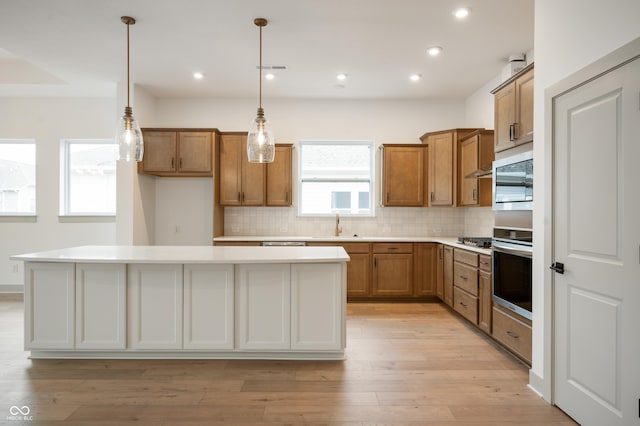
x: 208, y: 307
x: 392, y: 269
x: 447, y: 274
x: 101, y: 306
x: 155, y: 306
x: 49, y: 297
x: 512, y: 331
x: 426, y: 269
x: 484, y: 294
x: 264, y: 297
x: 317, y: 307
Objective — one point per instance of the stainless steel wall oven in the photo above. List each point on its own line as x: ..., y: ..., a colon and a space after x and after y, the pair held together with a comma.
x: 512, y: 250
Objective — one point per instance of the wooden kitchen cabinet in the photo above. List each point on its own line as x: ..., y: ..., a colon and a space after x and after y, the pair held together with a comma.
x: 241, y: 183
x: 278, y: 190
x: 484, y: 301
x: 513, y: 331
x: 440, y: 273
x: 443, y: 157
x: 178, y: 153
x: 404, y: 175
x: 476, y: 155
x: 392, y: 269
x: 426, y: 268
x: 465, y: 284
x: 447, y: 264
x: 513, y: 101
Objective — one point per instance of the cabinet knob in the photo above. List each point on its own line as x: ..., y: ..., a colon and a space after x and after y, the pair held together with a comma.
x: 512, y: 334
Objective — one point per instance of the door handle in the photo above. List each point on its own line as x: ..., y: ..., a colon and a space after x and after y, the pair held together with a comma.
x: 558, y: 267
x: 512, y: 132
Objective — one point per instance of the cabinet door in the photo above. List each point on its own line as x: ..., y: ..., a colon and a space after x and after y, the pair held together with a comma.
x: 194, y: 152
x: 49, y: 303
x: 317, y: 306
x: 448, y: 275
x: 505, y: 115
x: 208, y: 307
x: 468, y: 164
x: 484, y: 300
x: 159, y: 152
x: 441, y: 169
x: 392, y: 274
x: 263, y: 307
x: 155, y: 306
x: 404, y: 175
x: 101, y: 306
x: 440, y: 273
x: 253, y: 179
x: 279, y: 178
x: 359, y: 275
x: 524, y: 107
x: 426, y: 259
x: 230, y: 164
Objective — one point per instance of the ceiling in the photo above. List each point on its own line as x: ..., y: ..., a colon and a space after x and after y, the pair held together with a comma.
x: 78, y: 47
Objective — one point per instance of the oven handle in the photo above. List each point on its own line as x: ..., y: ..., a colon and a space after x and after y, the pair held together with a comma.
x: 515, y: 249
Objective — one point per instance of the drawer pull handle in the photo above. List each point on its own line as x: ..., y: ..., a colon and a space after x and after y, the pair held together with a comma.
x: 463, y: 304
x: 484, y: 263
x: 512, y: 334
x: 463, y: 277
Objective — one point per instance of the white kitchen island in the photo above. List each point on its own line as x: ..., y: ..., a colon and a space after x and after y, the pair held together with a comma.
x: 186, y: 302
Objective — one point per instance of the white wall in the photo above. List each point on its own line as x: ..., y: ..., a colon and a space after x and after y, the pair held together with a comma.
x: 569, y: 35
x: 48, y: 121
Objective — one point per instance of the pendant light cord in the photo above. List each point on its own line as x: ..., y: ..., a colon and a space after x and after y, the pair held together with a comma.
x: 260, y: 74
x: 128, y: 70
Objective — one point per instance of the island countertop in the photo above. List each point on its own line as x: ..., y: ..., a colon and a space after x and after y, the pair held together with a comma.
x: 188, y: 254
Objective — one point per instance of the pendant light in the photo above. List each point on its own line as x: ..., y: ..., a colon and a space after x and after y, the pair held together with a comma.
x: 260, y: 140
x: 128, y: 134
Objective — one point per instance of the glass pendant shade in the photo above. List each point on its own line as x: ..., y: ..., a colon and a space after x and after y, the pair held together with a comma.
x: 129, y: 138
x: 261, y: 145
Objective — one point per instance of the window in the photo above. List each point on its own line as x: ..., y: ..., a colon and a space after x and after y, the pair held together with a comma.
x: 17, y: 177
x: 336, y: 177
x: 88, y: 177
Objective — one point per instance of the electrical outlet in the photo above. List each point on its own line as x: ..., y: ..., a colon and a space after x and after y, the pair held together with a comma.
x: 15, y: 268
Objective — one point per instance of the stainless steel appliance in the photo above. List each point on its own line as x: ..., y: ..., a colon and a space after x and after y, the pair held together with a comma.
x: 513, y: 182
x: 512, y: 252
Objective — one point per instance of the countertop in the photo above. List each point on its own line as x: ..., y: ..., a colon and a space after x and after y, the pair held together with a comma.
x: 450, y: 241
x: 188, y: 254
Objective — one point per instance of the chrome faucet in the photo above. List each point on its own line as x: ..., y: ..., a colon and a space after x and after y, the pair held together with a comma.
x: 338, y: 228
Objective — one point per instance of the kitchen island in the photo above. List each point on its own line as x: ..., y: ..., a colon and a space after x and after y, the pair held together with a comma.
x: 186, y: 302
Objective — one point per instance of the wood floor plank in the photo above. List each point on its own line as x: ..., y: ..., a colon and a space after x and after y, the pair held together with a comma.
x: 406, y: 364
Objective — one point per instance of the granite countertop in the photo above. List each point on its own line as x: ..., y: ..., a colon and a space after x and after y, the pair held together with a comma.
x: 188, y: 254
x: 451, y: 241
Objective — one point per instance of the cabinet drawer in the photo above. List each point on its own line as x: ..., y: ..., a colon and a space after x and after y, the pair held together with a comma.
x: 467, y: 257
x: 465, y: 277
x: 513, y: 333
x: 466, y: 305
x: 393, y: 248
x: 485, y: 263
x: 356, y: 247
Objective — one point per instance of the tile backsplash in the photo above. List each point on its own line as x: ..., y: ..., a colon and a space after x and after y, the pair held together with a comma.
x: 389, y: 221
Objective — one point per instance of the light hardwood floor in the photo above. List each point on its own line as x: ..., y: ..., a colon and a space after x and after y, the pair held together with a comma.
x: 407, y: 364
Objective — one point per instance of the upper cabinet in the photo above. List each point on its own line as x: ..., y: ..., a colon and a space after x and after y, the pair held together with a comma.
x: 443, y: 157
x: 475, y: 158
x: 514, y: 110
x: 404, y: 175
x: 279, y: 177
x: 241, y: 183
x: 178, y: 153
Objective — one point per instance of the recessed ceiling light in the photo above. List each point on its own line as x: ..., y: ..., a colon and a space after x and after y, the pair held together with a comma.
x: 198, y: 75
x: 341, y: 76
x: 434, y: 50
x: 415, y: 77
x: 461, y: 13
x: 270, y: 76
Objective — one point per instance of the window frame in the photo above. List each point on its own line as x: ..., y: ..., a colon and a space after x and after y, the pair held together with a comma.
x: 65, y: 181
x: 25, y: 141
x: 372, y: 174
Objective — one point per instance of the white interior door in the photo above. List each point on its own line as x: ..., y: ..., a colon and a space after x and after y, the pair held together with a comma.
x: 597, y: 238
